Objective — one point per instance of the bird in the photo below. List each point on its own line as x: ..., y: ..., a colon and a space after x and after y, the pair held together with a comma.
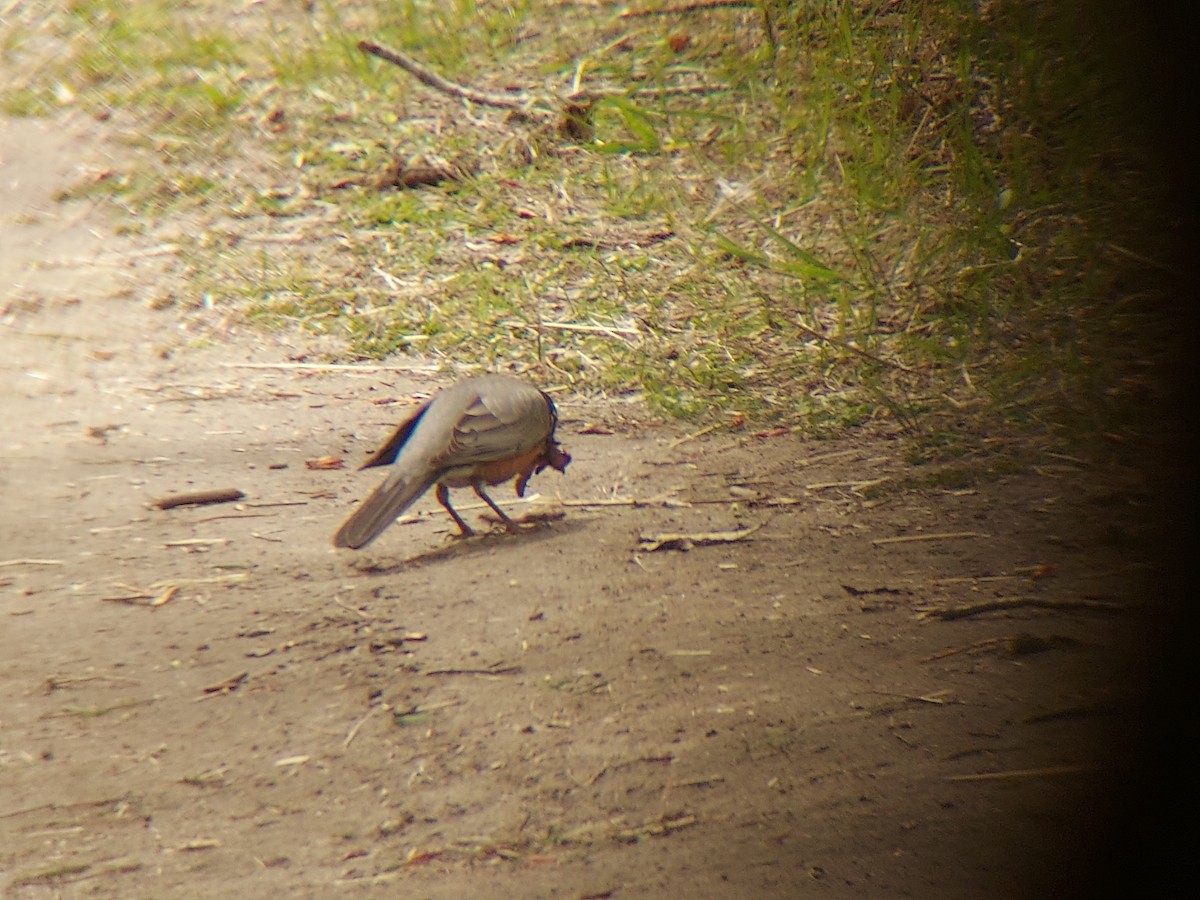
x: 480, y: 431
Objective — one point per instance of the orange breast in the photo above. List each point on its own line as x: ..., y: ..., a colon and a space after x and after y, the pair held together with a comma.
x: 504, y: 469
x: 494, y: 471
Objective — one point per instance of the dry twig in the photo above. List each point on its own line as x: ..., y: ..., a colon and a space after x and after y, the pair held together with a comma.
x: 651, y: 542
x: 695, y: 6
x: 1026, y: 773
x: 432, y: 79
x: 657, y: 828
x: 228, y: 686
x: 199, y: 498
x: 950, y: 613
x: 943, y: 536
x: 853, y: 485
x: 331, y: 367
x: 498, y: 670
x: 953, y: 651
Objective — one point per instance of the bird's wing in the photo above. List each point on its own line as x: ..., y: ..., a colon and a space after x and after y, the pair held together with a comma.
x: 492, y: 418
x: 386, y: 454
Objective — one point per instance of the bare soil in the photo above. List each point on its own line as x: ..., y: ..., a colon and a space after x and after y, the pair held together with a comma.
x: 211, y: 701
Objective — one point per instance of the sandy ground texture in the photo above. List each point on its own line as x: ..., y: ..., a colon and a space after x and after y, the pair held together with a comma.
x: 211, y: 701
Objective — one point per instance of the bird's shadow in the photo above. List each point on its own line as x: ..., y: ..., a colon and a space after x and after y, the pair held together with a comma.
x: 460, y: 547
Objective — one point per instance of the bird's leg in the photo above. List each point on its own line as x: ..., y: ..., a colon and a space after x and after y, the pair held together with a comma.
x: 508, y: 523
x: 443, y: 497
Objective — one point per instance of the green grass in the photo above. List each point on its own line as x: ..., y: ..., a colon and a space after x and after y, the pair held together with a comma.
x: 877, y: 213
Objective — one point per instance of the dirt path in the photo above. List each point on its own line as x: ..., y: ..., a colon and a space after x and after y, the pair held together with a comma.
x: 210, y: 700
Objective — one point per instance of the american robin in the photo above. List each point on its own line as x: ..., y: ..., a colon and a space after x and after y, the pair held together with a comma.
x: 481, y: 431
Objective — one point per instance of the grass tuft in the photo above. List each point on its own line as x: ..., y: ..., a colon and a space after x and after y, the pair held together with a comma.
x: 826, y: 214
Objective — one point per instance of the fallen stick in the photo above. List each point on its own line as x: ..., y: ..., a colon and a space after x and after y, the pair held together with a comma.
x: 228, y: 686
x: 943, y: 536
x: 588, y: 242
x: 658, y: 828
x: 1072, y: 712
x: 683, y: 90
x: 937, y: 698
x: 199, y: 498
x: 978, y: 645
x: 950, y: 613
x: 1026, y: 773
x: 825, y: 457
x: 232, y: 516
x: 651, y: 542
x: 615, y: 331
x: 634, y: 502
x: 574, y: 109
x: 853, y: 485
x: 55, y: 807
x: 697, y: 6
x: 212, y: 579
x: 328, y: 367
x: 974, y: 579
x: 94, y: 712
x: 354, y: 609
x: 432, y: 79
x: 30, y: 562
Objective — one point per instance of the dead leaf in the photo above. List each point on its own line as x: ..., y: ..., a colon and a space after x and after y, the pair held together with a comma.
x: 100, y: 432
x: 275, y: 120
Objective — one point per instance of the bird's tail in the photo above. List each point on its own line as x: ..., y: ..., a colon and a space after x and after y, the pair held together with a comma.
x: 397, y: 493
